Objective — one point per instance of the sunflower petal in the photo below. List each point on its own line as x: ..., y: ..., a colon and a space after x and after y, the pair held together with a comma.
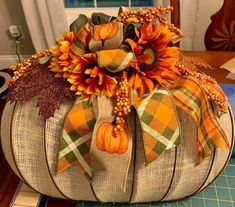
x: 141, y: 90
x: 131, y: 80
x: 108, y: 86
x: 137, y: 82
x: 149, y: 83
x: 132, y: 43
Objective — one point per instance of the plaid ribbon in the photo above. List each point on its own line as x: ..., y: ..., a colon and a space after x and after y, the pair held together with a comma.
x: 76, y: 137
x: 80, y: 46
x: 189, y: 96
x: 114, y: 60
x: 159, y: 121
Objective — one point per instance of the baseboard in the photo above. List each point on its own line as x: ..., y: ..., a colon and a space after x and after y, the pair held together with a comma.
x: 7, y: 60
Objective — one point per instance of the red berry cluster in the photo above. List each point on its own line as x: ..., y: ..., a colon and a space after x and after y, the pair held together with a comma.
x: 123, y: 106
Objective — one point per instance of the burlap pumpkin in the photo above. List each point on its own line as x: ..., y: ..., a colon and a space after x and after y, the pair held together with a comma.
x: 30, y: 146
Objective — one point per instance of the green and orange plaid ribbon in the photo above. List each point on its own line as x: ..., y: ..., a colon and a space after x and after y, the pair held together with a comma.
x: 76, y: 137
x: 159, y: 121
x: 114, y: 60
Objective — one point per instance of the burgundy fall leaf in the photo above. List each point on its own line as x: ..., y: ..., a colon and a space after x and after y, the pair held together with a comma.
x: 41, y: 82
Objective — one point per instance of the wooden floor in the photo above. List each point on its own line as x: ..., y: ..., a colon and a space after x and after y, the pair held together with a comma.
x: 8, y: 180
x: 26, y: 197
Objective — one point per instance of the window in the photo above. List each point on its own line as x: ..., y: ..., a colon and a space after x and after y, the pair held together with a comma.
x: 107, y: 3
x: 110, y: 7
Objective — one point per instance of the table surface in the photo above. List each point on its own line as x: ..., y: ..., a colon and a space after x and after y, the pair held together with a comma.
x: 215, y: 59
x: 221, y: 193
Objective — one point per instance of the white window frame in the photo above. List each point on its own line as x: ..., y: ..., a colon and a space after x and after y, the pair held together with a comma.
x: 72, y: 13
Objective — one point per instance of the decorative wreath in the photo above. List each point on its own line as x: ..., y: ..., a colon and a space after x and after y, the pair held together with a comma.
x: 133, y: 60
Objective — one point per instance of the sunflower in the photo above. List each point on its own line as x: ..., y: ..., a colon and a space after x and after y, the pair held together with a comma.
x: 82, y: 72
x: 155, y: 59
x: 87, y: 78
x: 61, y: 60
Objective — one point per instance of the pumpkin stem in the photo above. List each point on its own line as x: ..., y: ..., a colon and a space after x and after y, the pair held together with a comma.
x: 102, y: 42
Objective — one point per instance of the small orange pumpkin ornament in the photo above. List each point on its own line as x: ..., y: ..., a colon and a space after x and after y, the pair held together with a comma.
x: 105, y: 31
x: 107, y: 140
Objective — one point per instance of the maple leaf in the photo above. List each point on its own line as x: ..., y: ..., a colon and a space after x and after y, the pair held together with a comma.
x: 50, y: 91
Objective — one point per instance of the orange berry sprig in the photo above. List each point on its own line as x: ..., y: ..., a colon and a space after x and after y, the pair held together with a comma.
x: 146, y: 16
x: 208, y: 83
x: 123, y: 106
x: 22, y: 68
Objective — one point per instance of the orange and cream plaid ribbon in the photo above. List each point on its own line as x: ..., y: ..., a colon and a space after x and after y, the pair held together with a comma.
x: 114, y: 60
x: 76, y: 137
x: 190, y: 97
x: 159, y: 121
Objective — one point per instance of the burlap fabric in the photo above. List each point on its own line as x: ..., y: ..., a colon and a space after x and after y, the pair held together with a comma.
x: 30, y: 146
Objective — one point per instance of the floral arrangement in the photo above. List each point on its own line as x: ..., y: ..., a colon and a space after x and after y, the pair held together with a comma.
x: 134, y: 53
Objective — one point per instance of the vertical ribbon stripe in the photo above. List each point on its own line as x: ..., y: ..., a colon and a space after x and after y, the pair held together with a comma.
x: 76, y: 137
x: 158, y: 117
x: 189, y: 96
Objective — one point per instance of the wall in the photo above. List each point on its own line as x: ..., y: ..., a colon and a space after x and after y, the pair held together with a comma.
x: 195, y: 18
x: 11, y: 13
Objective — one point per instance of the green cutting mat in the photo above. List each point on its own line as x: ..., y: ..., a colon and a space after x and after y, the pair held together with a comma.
x: 220, y: 193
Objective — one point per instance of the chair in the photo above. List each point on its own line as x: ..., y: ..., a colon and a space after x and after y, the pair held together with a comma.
x: 220, y: 34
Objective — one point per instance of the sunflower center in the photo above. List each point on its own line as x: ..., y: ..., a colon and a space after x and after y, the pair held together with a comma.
x: 151, y: 55
x: 151, y: 62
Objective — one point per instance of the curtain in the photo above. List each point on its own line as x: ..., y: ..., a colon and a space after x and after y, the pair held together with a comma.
x: 46, y: 21
x: 189, y: 10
